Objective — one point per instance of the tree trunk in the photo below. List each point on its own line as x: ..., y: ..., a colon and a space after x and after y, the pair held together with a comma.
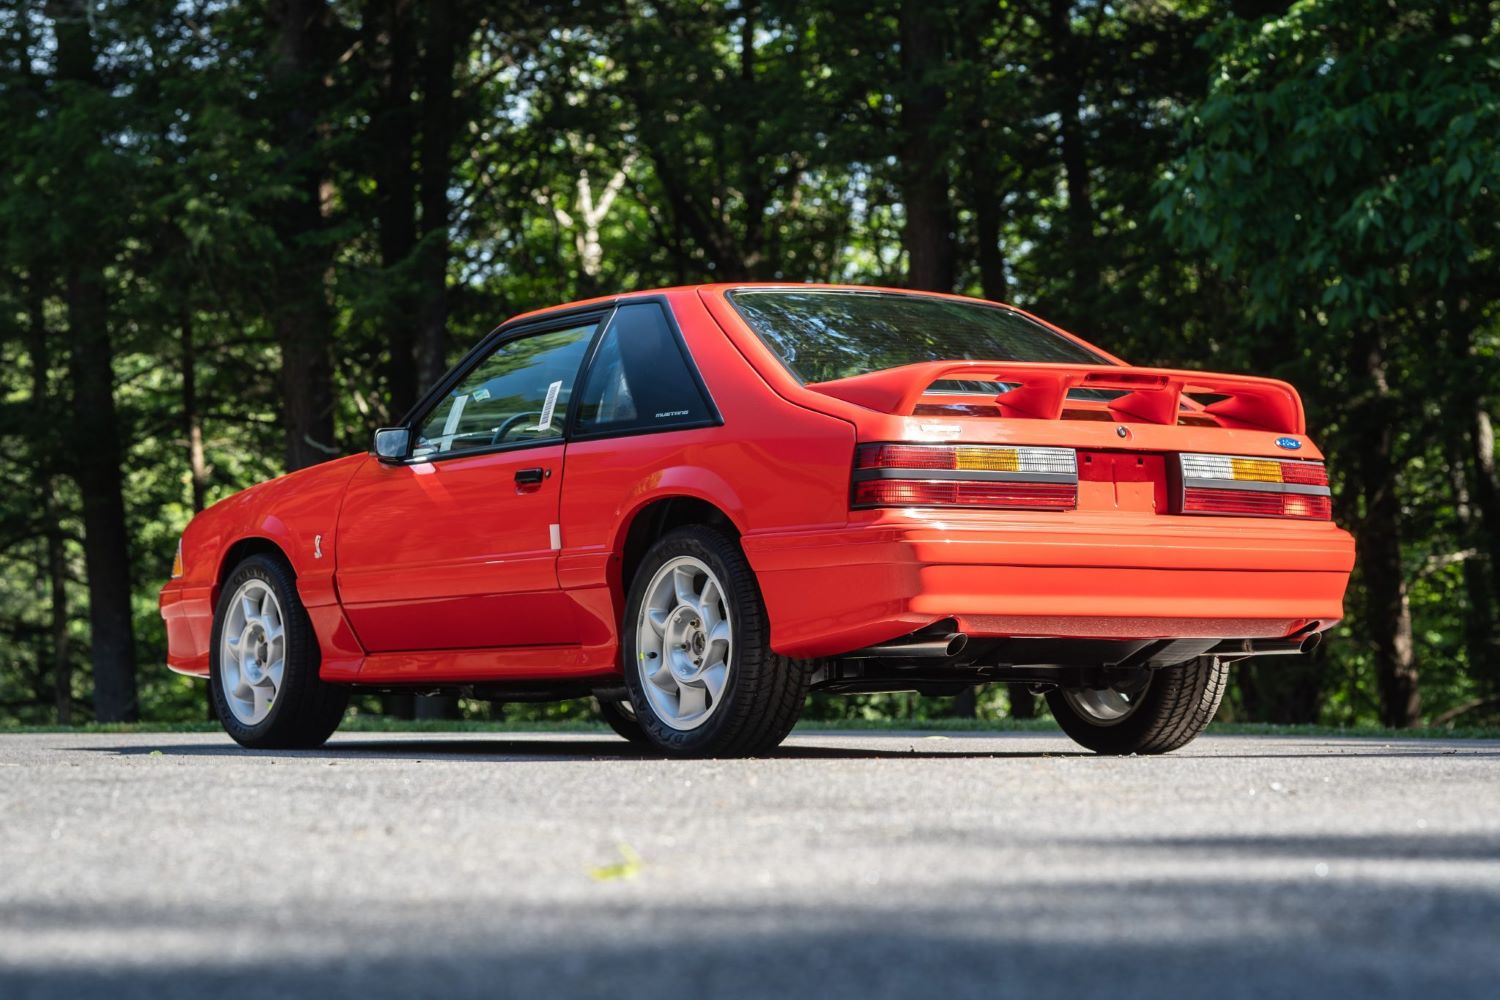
x: 981, y: 155
x: 1022, y: 701
x: 393, y: 130
x: 95, y: 436
x: 57, y: 572
x: 1484, y: 492
x: 301, y: 316
x: 1387, y: 611
x: 192, y: 419
x: 61, y: 669
x: 1476, y: 493
x: 928, y: 236
x: 965, y: 704
x: 1480, y: 639
x: 446, y: 29
x: 985, y: 200
x: 1069, y: 66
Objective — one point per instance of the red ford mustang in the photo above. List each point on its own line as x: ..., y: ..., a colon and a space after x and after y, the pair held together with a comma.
x: 702, y: 503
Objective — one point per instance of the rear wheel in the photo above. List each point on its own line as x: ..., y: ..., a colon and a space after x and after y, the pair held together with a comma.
x: 702, y: 678
x: 263, y: 675
x: 620, y: 716
x: 1156, y: 711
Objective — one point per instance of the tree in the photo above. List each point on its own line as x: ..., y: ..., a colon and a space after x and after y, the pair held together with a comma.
x: 925, y: 183
x: 94, y: 431
x: 1342, y: 166
x: 302, y: 58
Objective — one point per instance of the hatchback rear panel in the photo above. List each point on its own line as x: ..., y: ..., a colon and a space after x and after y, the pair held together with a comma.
x: 1126, y: 547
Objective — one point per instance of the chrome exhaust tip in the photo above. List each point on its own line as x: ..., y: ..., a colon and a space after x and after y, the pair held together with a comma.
x: 939, y: 647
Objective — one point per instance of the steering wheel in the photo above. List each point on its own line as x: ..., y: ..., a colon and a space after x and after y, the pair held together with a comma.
x: 510, y: 424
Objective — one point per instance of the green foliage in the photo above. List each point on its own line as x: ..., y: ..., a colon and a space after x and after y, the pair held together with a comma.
x: 1343, y: 164
x: 1341, y: 170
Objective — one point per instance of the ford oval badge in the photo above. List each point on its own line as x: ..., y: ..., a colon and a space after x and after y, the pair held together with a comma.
x: 1291, y: 444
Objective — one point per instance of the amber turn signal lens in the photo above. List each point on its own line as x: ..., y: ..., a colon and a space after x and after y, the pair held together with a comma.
x: 177, y: 561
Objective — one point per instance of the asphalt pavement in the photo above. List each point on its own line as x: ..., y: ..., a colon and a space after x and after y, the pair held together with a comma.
x: 848, y: 865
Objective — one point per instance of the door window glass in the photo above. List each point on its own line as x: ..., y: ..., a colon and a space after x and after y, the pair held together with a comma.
x: 639, y: 378
x: 519, y: 393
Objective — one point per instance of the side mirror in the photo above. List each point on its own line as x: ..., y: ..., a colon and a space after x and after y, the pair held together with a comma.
x: 392, y: 443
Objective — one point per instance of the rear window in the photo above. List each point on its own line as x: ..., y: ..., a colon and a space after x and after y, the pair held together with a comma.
x: 827, y: 335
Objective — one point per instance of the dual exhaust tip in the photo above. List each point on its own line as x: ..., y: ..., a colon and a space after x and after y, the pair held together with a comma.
x: 940, y: 642
x: 928, y: 644
x: 1269, y: 647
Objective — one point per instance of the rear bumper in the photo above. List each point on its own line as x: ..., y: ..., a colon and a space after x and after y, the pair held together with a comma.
x: 188, y: 613
x: 1074, y: 575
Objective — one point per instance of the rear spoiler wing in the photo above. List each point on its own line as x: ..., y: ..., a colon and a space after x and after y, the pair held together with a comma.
x: 1152, y: 395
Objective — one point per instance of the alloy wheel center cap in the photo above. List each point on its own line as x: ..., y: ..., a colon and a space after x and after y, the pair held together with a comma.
x: 254, y: 641
x: 685, y: 635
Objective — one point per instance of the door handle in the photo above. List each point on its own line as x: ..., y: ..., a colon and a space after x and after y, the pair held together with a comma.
x: 531, y: 477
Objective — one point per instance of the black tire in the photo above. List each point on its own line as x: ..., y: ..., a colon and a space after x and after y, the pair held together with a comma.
x: 1176, y: 706
x: 620, y: 716
x: 763, y: 693
x: 306, y: 710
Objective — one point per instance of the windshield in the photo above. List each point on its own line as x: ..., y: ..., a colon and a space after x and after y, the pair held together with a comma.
x: 822, y: 335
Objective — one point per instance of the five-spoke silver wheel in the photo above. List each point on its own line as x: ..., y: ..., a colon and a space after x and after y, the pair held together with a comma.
x: 684, y: 643
x: 252, y: 651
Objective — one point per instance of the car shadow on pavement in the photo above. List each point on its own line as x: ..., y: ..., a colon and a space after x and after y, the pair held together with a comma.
x: 1291, y: 934
x: 1416, y: 845
x: 538, y: 750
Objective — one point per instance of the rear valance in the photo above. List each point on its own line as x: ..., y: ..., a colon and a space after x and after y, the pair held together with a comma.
x: 1151, y: 395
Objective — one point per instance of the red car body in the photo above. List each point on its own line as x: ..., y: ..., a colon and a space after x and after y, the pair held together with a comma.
x: 459, y: 571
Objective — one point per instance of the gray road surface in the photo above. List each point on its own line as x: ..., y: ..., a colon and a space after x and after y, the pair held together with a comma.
x: 847, y: 866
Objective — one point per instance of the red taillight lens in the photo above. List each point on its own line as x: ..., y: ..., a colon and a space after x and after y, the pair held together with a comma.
x: 938, y: 493
x: 1213, y: 501
x: 1304, y: 473
x: 1255, y: 487
x: 945, y: 475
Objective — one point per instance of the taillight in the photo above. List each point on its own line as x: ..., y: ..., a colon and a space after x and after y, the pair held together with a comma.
x: 1255, y: 487
x: 948, y: 475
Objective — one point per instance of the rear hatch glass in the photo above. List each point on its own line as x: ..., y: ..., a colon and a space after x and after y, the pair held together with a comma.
x: 822, y: 335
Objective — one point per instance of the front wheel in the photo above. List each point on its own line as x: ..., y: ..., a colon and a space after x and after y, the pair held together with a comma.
x: 264, y: 657
x: 702, y: 678
x: 1154, y: 712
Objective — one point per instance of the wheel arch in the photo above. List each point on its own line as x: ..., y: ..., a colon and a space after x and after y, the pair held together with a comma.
x: 654, y: 519
x: 242, y: 549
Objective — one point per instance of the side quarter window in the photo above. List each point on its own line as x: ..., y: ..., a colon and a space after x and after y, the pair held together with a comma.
x: 640, y: 378
x: 516, y: 394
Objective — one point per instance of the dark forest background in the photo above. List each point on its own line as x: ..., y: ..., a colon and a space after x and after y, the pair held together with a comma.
x: 235, y: 237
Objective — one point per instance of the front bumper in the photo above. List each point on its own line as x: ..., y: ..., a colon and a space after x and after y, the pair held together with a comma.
x: 1080, y: 574
x: 188, y: 613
